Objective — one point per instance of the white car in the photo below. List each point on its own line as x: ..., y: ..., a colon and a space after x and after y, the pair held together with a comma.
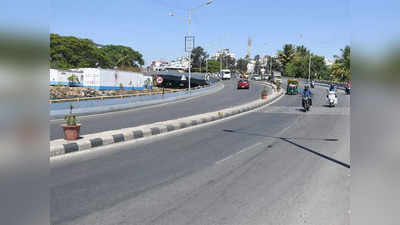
x: 225, y: 74
x: 257, y: 77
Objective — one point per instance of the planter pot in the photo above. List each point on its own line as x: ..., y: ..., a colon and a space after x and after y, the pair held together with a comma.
x: 71, y: 132
x: 264, y: 96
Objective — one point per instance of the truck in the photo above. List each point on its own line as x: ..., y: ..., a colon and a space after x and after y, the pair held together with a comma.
x: 225, y: 74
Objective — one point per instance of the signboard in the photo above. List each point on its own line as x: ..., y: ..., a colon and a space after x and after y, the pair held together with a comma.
x: 183, y: 77
x: 189, y: 43
x: 159, y: 79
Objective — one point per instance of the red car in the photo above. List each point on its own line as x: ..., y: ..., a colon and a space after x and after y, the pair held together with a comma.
x: 243, y: 84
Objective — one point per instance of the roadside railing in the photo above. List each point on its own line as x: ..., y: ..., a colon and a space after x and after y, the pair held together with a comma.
x: 150, y: 93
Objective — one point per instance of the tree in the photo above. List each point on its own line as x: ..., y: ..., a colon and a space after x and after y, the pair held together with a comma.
x: 214, y: 65
x: 122, y: 56
x: 242, y: 65
x: 198, y: 57
x: 298, y: 66
x: 302, y: 51
x: 286, y: 55
x: 227, y: 60
x: 275, y: 64
x: 73, y: 79
x: 341, y: 67
x: 257, y: 65
x: 71, y: 52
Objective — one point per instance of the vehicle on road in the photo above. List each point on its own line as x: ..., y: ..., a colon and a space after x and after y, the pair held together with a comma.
x: 306, y: 103
x: 277, y: 78
x: 243, y: 84
x: 312, y: 84
x: 331, y: 98
x: 292, y: 87
x: 226, y: 74
x: 256, y: 77
x: 347, y: 87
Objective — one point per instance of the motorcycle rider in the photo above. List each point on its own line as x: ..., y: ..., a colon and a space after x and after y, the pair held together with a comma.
x: 347, y: 86
x: 332, y: 87
x: 307, y: 93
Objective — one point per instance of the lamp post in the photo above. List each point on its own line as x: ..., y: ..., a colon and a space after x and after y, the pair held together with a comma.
x: 190, y: 11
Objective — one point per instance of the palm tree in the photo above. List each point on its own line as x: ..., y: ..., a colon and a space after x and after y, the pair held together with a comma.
x: 302, y: 50
x: 341, y: 67
x: 286, y: 55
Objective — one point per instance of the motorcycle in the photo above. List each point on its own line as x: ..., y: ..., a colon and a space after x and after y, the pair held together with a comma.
x: 312, y: 84
x: 306, y: 103
x: 332, y: 98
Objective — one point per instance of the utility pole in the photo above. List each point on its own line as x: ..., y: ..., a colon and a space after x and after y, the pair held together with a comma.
x: 220, y: 66
x: 201, y: 61
x: 190, y: 54
x: 309, y: 66
x: 206, y: 66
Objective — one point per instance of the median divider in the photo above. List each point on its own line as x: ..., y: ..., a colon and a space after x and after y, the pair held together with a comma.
x: 90, y: 141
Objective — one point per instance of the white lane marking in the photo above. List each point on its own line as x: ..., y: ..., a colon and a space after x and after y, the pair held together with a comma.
x: 239, y: 152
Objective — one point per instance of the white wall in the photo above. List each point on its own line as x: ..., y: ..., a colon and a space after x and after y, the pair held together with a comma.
x: 103, y: 79
x: 60, y: 77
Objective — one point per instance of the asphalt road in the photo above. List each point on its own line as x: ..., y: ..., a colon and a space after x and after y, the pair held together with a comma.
x: 278, y: 165
x: 228, y: 96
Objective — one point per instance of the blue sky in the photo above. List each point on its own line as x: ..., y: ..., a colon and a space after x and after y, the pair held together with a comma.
x: 144, y: 25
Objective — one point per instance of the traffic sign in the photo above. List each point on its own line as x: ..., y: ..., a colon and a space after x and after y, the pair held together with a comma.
x: 159, y: 79
x: 189, y: 43
x: 183, y: 77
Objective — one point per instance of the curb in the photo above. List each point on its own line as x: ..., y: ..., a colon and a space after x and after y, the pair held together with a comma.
x: 60, y: 146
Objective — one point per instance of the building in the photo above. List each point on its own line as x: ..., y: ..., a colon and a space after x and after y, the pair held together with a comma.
x: 250, y: 66
x: 158, y: 65
x: 181, y: 63
x: 224, y: 52
x: 102, y: 79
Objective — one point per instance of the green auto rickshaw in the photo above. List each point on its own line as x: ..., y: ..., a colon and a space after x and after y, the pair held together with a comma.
x: 292, y: 87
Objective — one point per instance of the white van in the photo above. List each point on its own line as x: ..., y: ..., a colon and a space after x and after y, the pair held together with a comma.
x: 225, y: 74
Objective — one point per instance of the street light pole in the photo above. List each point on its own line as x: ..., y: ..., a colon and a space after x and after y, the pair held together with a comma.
x: 190, y: 52
x: 206, y: 66
x: 220, y: 66
x: 309, y: 66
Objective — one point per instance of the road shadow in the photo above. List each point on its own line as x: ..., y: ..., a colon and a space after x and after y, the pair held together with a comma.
x: 289, y: 140
x: 301, y: 110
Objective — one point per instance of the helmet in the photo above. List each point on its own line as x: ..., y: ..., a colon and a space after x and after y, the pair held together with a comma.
x: 306, y: 86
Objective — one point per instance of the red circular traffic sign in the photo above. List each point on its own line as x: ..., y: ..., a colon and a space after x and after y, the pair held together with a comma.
x: 159, y: 79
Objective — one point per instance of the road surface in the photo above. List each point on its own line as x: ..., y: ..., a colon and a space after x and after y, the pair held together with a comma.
x: 278, y: 165
x: 224, y: 98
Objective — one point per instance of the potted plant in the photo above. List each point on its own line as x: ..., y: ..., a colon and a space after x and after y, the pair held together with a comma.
x: 264, y: 93
x: 72, y: 126
x: 278, y: 86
